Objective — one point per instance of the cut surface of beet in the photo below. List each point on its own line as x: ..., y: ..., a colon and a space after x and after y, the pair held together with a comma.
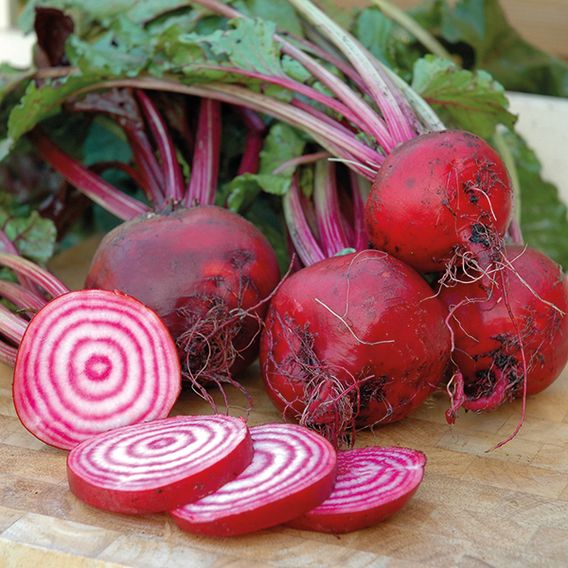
x: 91, y: 361
x: 372, y: 484
x: 159, y: 465
x: 293, y: 470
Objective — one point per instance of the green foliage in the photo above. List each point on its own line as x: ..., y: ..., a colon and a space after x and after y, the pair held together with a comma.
x: 472, y: 100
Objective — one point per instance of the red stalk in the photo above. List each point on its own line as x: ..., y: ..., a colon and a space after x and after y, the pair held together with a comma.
x: 136, y: 176
x: 205, y: 165
x: 328, y: 214
x: 301, y: 89
x: 174, y: 184
x: 300, y: 161
x: 92, y: 185
x: 361, y: 238
x: 39, y: 276
x: 301, y: 234
x: 343, y: 92
x: 11, y: 325
x: 398, y: 125
x: 254, y: 140
x: 327, y: 136
x: 21, y: 297
x: 147, y: 164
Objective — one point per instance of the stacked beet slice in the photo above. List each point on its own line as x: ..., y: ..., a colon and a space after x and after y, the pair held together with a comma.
x: 218, y: 478
x: 159, y: 465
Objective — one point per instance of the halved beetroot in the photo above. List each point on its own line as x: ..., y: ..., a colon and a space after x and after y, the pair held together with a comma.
x: 90, y: 361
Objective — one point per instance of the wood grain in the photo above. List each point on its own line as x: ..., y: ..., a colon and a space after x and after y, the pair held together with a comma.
x: 504, y: 508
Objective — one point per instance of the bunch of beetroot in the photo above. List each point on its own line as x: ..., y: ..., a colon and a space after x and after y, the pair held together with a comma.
x: 357, y: 337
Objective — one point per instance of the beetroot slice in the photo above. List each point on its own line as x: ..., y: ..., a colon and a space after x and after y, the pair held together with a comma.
x: 293, y: 469
x: 372, y: 484
x: 159, y: 465
x: 91, y: 361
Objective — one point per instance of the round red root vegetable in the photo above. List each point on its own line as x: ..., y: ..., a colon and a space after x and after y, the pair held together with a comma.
x: 514, y: 333
x: 205, y: 271
x: 91, y: 361
x: 353, y: 341
x: 159, y: 465
x: 372, y: 484
x: 292, y: 471
x: 441, y: 198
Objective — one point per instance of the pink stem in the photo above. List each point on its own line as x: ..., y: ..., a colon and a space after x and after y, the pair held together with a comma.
x: 147, y: 164
x: 357, y: 105
x: 361, y: 241
x: 256, y: 131
x: 327, y: 136
x: 300, y: 232
x: 328, y: 212
x: 21, y: 297
x: 205, y: 165
x: 514, y: 231
x: 11, y: 325
x: 340, y: 64
x: 97, y: 189
x: 300, y: 161
x: 250, y: 159
x: 131, y: 172
x: 301, y: 89
x: 363, y: 63
x: 39, y: 276
x: 356, y: 148
x: 171, y: 171
x: 8, y: 246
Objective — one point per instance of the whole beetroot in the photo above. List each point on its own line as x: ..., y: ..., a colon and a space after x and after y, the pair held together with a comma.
x: 513, y: 340
x: 353, y: 341
x: 205, y: 271
x: 441, y: 200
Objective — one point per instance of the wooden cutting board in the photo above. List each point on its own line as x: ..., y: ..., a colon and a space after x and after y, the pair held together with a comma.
x: 475, y: 508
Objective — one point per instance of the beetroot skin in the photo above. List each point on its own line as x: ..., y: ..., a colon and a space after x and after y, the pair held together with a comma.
x: 438, y: 195
x: 487, y: 348
x: 353, y: 341
x: 200, y: 269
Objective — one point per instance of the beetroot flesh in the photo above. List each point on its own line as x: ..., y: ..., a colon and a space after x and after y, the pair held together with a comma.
x: 372, y: 485
x: 487, y: 348
x: 292, y: 471
x: 438, y: 195
x: 90, y: 361
x: 159, y: 465
x: 353, y: 341
x: 200, y: 269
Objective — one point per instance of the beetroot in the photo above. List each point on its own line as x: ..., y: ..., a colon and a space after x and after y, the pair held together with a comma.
x: 86, y: 361
x: 441, y: 198
x: 292, y: 471
x: 372, y: 485
x: 205, y: 271
x: 91, y: 361
x: 159, y: 465
x: 353, y: 341
x: 514, y: 337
